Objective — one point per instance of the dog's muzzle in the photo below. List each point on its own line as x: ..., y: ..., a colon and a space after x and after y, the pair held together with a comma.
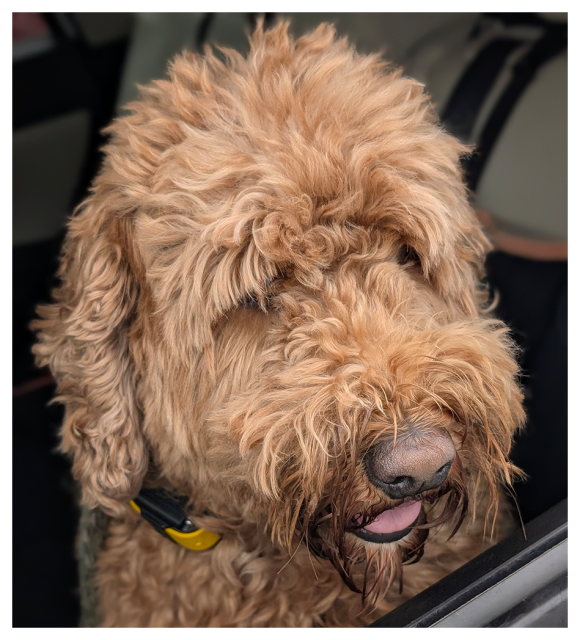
x: 403, y: 469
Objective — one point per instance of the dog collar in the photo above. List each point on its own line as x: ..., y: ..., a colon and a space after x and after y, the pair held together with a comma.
x: 166, y: 514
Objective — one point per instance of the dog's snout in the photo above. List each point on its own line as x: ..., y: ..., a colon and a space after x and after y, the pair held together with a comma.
x: 414, y: 463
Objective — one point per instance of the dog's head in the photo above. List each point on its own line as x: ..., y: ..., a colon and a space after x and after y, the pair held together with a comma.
x: 271, y: 298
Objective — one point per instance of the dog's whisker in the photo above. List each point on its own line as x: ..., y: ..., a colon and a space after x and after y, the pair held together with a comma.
x: 292, y: 556
x: 515, y: 501
x: 310, y: 559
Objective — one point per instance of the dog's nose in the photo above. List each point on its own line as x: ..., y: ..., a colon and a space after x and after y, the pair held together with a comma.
x: 412, y: 464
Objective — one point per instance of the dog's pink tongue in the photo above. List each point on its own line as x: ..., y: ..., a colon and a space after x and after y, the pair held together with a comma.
x: 395, y: 519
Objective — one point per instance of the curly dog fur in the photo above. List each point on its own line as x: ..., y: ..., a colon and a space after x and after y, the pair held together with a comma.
x: 276, y: 268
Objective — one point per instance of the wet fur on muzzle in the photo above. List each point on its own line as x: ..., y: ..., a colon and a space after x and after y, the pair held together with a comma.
x: 372, y: 568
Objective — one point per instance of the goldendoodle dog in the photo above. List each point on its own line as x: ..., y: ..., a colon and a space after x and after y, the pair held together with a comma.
x: 271, y: 319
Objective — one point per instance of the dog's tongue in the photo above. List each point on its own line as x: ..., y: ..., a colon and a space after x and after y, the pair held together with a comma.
x: 395, y: 519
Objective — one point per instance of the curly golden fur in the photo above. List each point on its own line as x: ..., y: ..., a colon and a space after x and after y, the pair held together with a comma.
x: 277, y: 267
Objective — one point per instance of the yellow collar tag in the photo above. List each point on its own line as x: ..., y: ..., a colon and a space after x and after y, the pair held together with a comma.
x: 196, y: 541
x: 160, y: 509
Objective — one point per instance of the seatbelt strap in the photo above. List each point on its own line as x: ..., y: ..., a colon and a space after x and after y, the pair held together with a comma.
x: 554, y: 42
x: 463, y: 107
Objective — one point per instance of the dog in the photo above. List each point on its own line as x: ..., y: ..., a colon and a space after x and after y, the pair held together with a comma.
x: 270, y: 306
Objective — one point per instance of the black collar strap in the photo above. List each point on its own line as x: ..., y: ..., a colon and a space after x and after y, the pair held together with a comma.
x: 166, y: 513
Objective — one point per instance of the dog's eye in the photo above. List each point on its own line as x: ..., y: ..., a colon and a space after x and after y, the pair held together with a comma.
x: 408, y: 256
x: 250, y: 301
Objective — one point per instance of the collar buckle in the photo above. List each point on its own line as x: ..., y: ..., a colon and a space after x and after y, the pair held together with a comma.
x: 166, y: 513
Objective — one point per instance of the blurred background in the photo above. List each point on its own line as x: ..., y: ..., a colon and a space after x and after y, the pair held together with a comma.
x: 498, y: 81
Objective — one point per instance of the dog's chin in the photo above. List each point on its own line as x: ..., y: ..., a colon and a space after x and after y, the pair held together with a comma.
x: 370, y: 551
x: 370, y: 548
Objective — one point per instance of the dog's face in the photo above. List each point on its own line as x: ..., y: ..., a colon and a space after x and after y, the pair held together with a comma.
x: 271, y: 298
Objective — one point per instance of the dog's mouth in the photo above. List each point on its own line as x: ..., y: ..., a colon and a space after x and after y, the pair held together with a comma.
x: 391, y: 524
x: 368, y: 541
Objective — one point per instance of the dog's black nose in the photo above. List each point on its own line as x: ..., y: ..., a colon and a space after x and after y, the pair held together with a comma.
x: 417, y: 461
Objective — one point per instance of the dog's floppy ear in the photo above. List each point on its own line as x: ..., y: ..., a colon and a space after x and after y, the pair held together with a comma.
x: 83, y: 337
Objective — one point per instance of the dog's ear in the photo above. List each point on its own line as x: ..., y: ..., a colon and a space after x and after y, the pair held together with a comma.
x: 83, y: 337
